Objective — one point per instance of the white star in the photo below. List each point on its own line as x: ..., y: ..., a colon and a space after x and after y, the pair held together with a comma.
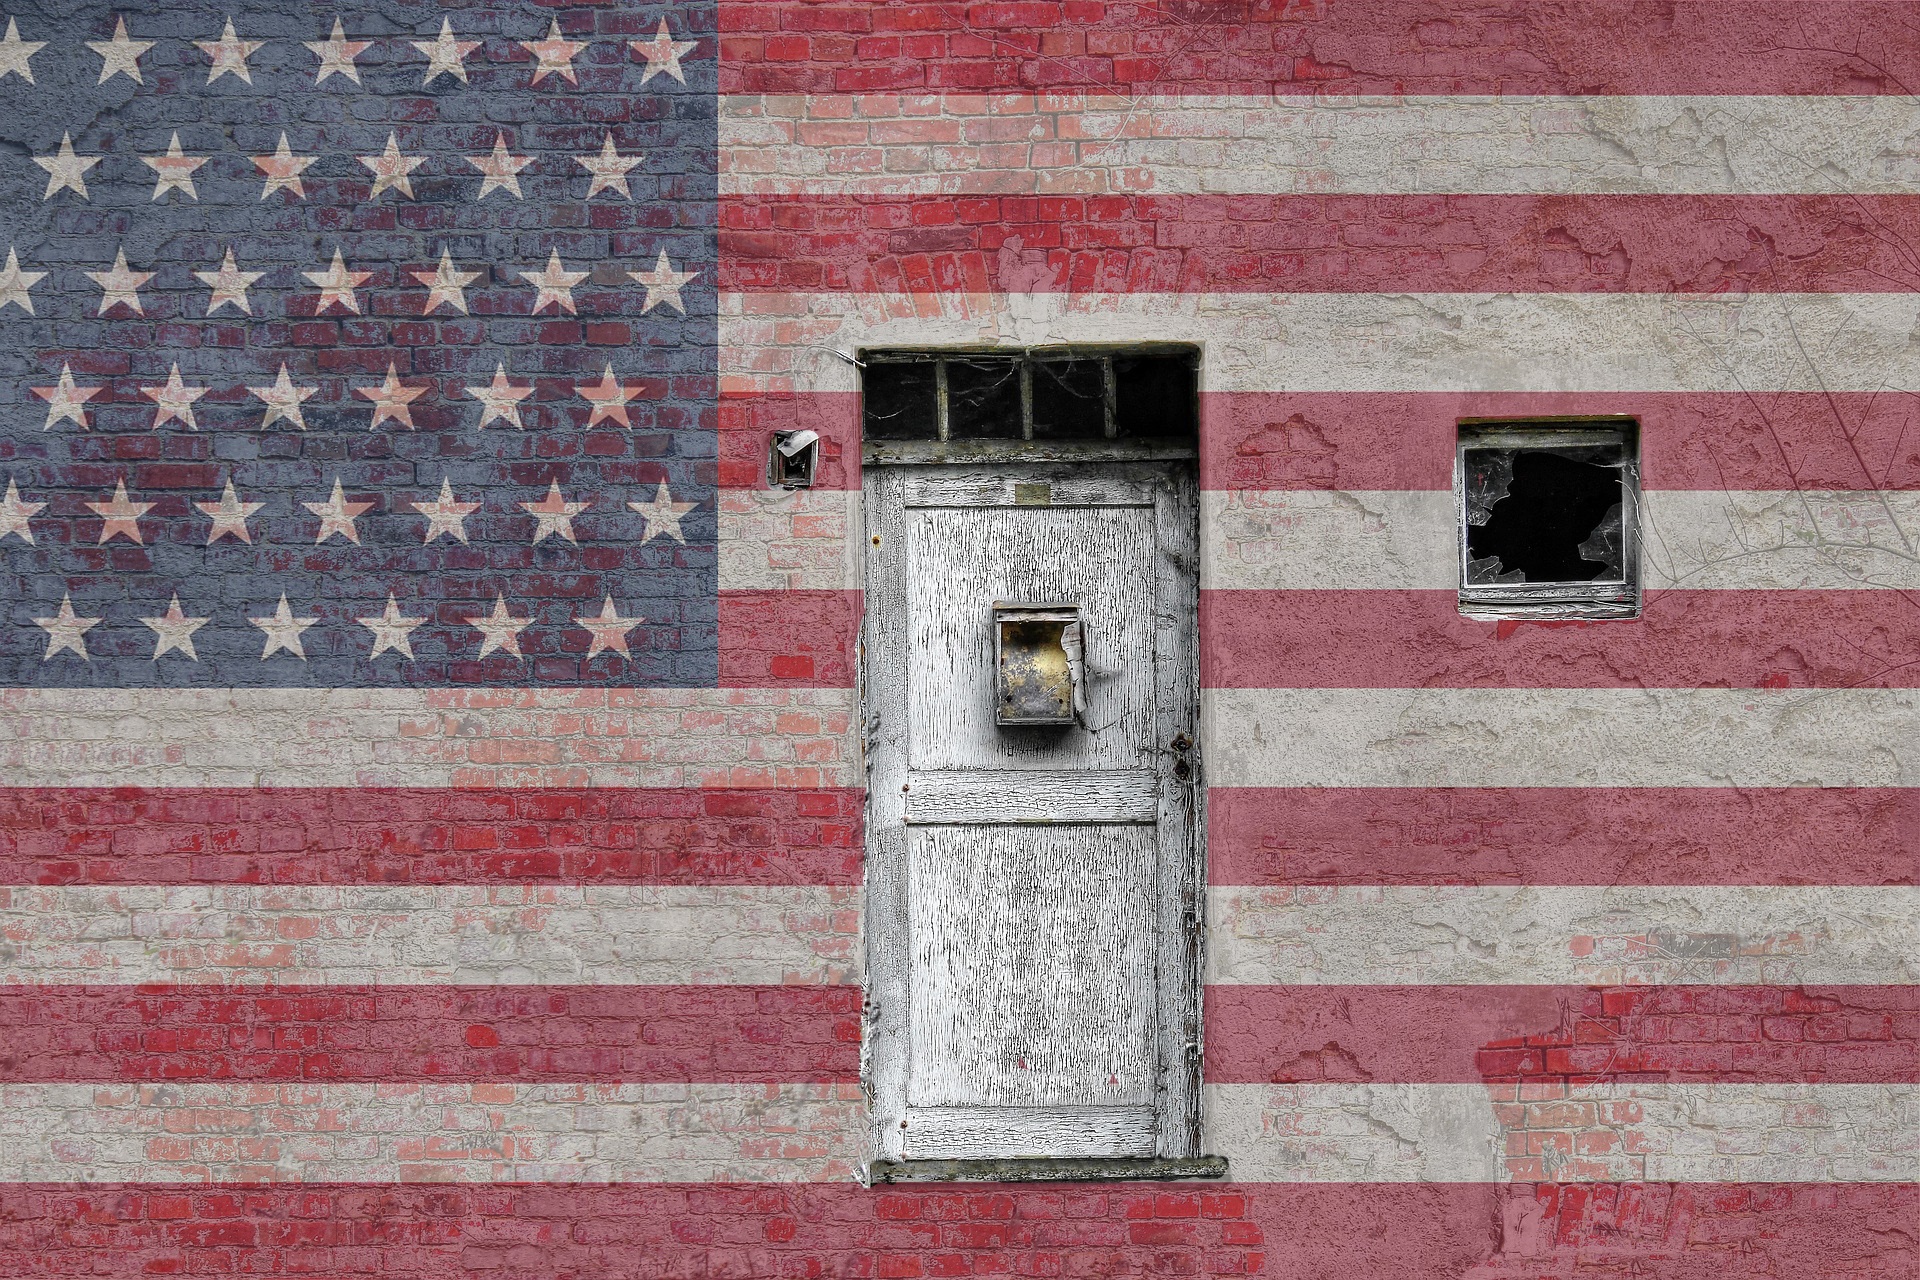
x: 555, y: 514
x: 284, y: 400
x: 337, y: 515
x: 662, y: 515
x: 609, y: 631
x: 446, y: 283
x: 609, y: 400
x: 390, y: 169
x: 68, y: 401
x: 66, y: 170
x: 229, y: 516
x: 500, y: 629
x: 173, y: 402
x: 229, y: 285
x: 173, y: 171
x: 391, y: 630
x: 500, y: 400
x: 120, y: 285
x: 14, y: 53
x: 120, y: 55
x: 283, y: 631
x: 609, y: 170
x: 15, y: 514
x: 502, y: 169
x: 555, y: 284
x: 120, y: 518
x: 229, y: 54
x: 446, y: 516
x: 66, y: 631
x: 283, y: 170
x: 663, y: 53
x: 446, y: 54
x: 663, y: 284
x: 337, y: 53
x: 555, y: 54
x: 174, y: 630
x: 14, y: 284
x: 391, y: 399
x: 337, y: 285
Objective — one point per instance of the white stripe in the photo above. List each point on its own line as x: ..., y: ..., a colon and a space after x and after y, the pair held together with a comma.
x: 387, y: 1133
x: 1562, y: 737
x: 428, y: 738
x: 1408, y: 540
x: 1364, y: 341
x: 789, y: 539
x: 410, y: 935
x: 1576, y: 935
x: 1586, y: 1133
x: 1085, y: 144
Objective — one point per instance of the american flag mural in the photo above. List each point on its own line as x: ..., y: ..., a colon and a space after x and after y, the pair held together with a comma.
x: 431, y: 835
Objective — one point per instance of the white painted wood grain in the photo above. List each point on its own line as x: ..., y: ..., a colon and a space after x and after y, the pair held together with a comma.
x: 1033, y: 796
x: 1033, y: 965
x: 1001, y: 1133
x: 959, y: 562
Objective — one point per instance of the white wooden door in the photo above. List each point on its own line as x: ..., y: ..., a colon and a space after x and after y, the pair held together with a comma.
x: 1032, y: 907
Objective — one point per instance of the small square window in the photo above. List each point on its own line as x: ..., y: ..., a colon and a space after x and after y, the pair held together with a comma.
x: 1549, y: 519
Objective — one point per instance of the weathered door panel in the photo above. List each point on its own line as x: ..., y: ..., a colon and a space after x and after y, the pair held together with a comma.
x: 959, y: 562
x: 1032, y: 907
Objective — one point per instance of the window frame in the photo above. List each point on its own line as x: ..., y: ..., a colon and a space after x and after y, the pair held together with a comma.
x: 943, y: 447
x: 1596, y: 601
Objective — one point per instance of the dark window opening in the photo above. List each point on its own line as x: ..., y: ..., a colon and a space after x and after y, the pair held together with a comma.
x: 900, y: 406
x: 1051, y: 395
x: 1547, y: 518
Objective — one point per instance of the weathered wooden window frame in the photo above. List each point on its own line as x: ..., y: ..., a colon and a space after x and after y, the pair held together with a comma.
x: 1571, y: 600
x: 1026, y: 449
x: 883, y: 676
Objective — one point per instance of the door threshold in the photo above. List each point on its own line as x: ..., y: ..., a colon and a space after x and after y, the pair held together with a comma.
x: 1122, y: 1169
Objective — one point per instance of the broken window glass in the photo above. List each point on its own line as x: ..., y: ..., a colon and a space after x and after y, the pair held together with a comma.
x: 1546, y: 521
x: 1543, y: 515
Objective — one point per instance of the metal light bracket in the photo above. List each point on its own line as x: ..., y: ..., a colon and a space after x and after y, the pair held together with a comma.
x: 791, y: 459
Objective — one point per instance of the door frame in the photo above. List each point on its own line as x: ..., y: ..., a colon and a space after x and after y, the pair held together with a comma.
x: 1181, y: 916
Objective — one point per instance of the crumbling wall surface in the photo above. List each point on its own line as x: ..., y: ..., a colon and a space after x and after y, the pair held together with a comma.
x: 1570, y: 949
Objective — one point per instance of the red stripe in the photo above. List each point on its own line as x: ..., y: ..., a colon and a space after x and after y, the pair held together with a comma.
x: 1683, y: 640
x: 1360, y: 440
x: 792, y: 638
x: 1322, y: 46
x: 99, y: 835
x: 1562, y: 835
x: 1363, y: 440
x: 1379, y: 1231
x: 748, y: 421
x: 632, y: 1034
x: 1321, y: 244
x: 1560, y: 1035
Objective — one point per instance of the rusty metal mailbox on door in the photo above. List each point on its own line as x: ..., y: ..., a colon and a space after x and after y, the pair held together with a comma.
x: 1038, y: 662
